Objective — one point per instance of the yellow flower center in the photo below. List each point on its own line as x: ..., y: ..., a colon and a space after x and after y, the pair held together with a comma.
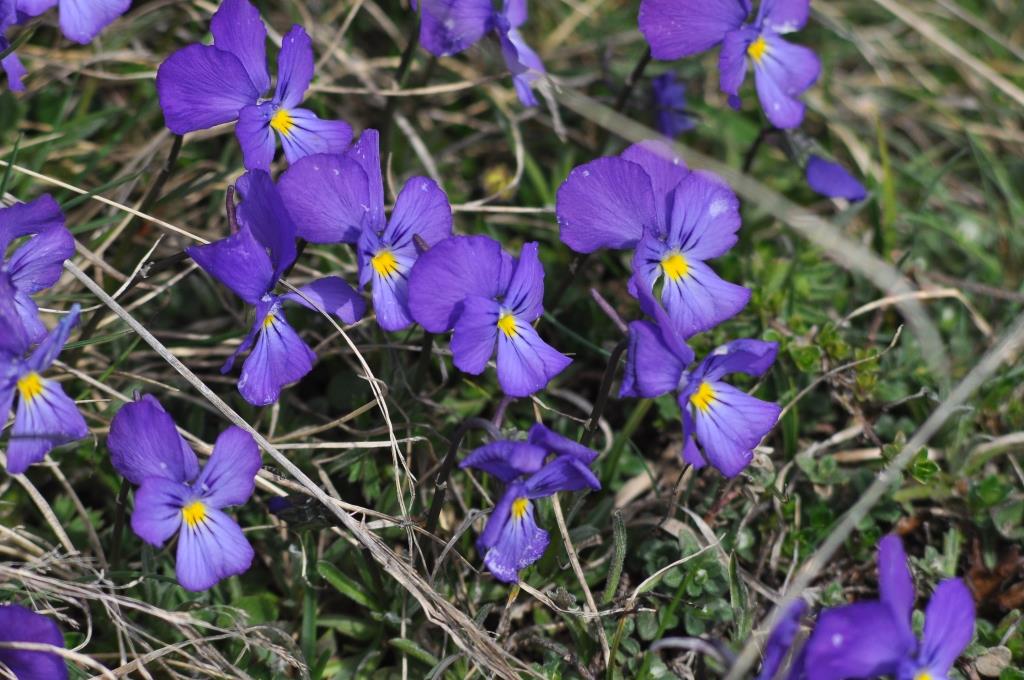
x: 675, y: 266
x: 519, y: 508
x: 282, y: 122
x: 923, y: 675
x: 30, y: 386
x: 268, y: 321
x: 758, y: 49
x: 384, y: 263
x: 194, y: 513
x: 703, y: 397
x: 507, y: 324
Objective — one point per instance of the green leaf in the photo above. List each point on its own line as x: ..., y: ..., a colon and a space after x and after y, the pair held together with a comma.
x: 413, y: 650
x: 345, y: 585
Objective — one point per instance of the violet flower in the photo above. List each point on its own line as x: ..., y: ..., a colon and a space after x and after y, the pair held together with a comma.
x: 34, y: 266
x: 511, y: 540
x: 451, y: 26
x: 469, y: 284
x: 336, y: 199
x: 833, y: 180
x: 251, y: 263
x: 780, y: 641
x: 80, y: 20
x: 18, y: 624
x: 676, y: 219
x: 670, y: 105
x: 11, y: 65
x: 175, y: 497
x: 201, y: 86
x: 782, y: 70
x: 870, y: 639
x: 45, y: 417
x: 726, y: 422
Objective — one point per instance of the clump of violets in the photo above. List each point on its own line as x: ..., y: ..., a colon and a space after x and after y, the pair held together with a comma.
x: 340, y: 199
x: 511, y: 541
x: 451, y: 26
x: 721, y: 424
x: 33, y: 266
x: 832, y: 180
x: 44, y: 417
x: 876, y: 638
x: 490, y: 299
x: 18, y: 624
x: 250, y: 263
x: 80, y: 20
x: 782, y: 70
x: 669, y: 96
x: 201, y: 86
x: 676, y: 219
x: 175, y: 497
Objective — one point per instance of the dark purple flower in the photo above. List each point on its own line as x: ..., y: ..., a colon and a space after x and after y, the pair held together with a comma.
x: 201, y: 86
x: 32, y: 267
x: 173, y: 494
x: 469, y: 284
x: 18, y: 624
x: 251, y: 263
x: 336, y: 199
x: 676, y: 219
x: 45, y: 417
x: 781, y: 640
x: 80, y: 20
x: 450, y: 26
x: 511, y: 540
x: 782, y: 71
x: 670, y: 105
x: 726, y: 422
x: 869, y: 639
x: 833, y: 180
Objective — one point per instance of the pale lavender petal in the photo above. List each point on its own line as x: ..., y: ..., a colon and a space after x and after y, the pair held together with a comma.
x: 279, y: 358
x: 307, y: 135
x: 82, y: 20
x: 157, y: 514
x: 15, y: 71
x: 294, y: 68
x: 525, y: 362
x: 450, y: 26
x: 680, y: 28
x: 229, y: 477
x: 948, y: 625
x: 210, y: 551
x: 749, y: 356
x: 782, y: 73
x: 28, y: 312
x: 520, y: 544
x: 733, y: 60
x: 201, y: 86
x: 729, y: 423
x: 34, y: 8
x: 50, y: 348
x: 700, y: 299
x: 704, y: 217
x: 366, y: 152
x: 783, y: 16
x: 237, y: 28
x: 525, y: 296
x: 895, y: 584
x: 143, y: 443
x: 476, y: 331
x: 42, y: 422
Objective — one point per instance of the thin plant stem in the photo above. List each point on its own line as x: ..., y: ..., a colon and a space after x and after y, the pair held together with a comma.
x: 392, y: 102
x: 602, y: 395
x: 627, y: 90
x: 441, y: 479
x: 119, y: 512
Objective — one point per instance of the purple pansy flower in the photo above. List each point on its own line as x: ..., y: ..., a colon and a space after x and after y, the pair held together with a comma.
x: 833, y: 180
x: 469, y: 284
x: 45, y: 417
x: 676, y: 219
x: 173, y: 494
x: 11, y: 65
x: 781, y: 640
x: 18, y: 624
x: 80, y: 20
x: 869, y: 639
x: 782, y: 70
x: 727, y: 423
x: 511, y: 540
x: 336, y: 199
x: 201, y: 86
x: 450, y: 26
x: 251, y: 263
x: 670, y: 105
x: 32, y: 267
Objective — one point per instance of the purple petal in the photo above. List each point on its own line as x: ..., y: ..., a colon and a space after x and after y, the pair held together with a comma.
x: 327, y: 195
x: 664, y: 168
x: 213, y: 549
x: 680, y: 28
x: 705, y: 216
x: 476, y: 331
x: 856, y: 641
x: 781, y: 74
x: 752, y: 357
x: 670, y: 335
x: 506, y: 460
x: 895, y: 584
x: 729, y: 423
x: 691, y: 453
x: 696, y: 299
x: 237, y: 28
x: 18, y: 624
x: 331, y: 295
x: 49, y: 349
x: 670, y: 104
x: 304, y: 134
x: 28, y: 312
x: 783, y: 16
x: 499, y: 517
x: 239, y: 262
x: 279, y: 358
x: 524, y: 63
x: 450, y: 26
x: 82, y: 20
x: 516, y: 12
x: 34, y: 8
x: 229, y: 477
x: 781, y: 639
x: 452, y: 270
x: 565, y: 473
x: 157, y: 514
x: 652, y: 369
x: 552, y: 442
x: 45, y: 418
x: 144, y: 443
x: 255, y: 136
x: 15, y: 337
x: 15, y: 71
x: 833, y: 180
x: 366, y: 152
x: 948, y: 625
x: 525, y: 362
x: 263, y: 211
x: 201, y: 86
x: 605, y: 203
x: 525, y: 296
x: 34, y: 217
x: 732, y: 61
x: 38, y: 263
x: 294, y: 68
x: 520, y: 544
x: 389, y: 269
x: 422, y: 208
